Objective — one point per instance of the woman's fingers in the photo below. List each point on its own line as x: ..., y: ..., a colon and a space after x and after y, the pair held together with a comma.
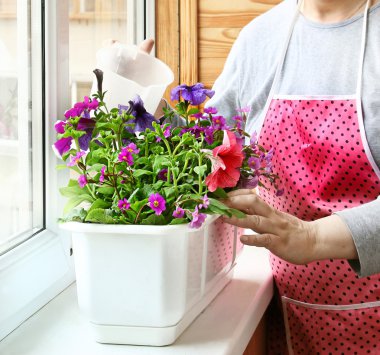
x: 257, y: 223
x: 250, y: 204
x: 259, y: 240
x: 147, y: 45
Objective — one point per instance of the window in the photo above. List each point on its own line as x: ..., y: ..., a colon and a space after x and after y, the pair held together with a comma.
x: 47, y: 54
x: 21, y: 205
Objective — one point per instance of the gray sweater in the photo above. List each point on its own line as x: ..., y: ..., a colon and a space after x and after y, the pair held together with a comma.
x: 322, y: 59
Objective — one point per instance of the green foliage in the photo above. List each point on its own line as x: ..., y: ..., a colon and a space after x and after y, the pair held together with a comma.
x: 123, y: 170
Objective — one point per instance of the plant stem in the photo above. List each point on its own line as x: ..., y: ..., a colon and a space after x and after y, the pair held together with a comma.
x: 138, y: 214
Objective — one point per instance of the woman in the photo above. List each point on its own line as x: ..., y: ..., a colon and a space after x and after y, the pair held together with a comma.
x: 310, y: 72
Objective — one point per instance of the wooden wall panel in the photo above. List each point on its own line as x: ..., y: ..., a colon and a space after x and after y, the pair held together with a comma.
x: 219, y: 23
x: 194, y: 37
x: 167, y: 37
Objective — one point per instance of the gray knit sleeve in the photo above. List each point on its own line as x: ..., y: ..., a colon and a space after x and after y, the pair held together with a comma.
x: 364, y: 224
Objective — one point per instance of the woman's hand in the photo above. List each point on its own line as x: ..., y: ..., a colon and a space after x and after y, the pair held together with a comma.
x: 288, y: 237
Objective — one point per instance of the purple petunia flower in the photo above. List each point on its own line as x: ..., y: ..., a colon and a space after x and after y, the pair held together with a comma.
x: 123, y: 204
x: 82, y: 181
x: 143, y: 119
x: 102, y: 172
x: 178, y: 213
x: 198, y: 219
x: 195, y: 94
x: 157, y: 203
x: 60, y: 126
x: 162, y: 174
x: 75, y: 159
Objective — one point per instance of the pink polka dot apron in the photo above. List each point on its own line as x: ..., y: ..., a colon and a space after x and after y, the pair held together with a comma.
x: 323, y: 159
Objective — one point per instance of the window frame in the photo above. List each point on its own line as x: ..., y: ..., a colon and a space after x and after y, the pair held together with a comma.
x: 48, y: 253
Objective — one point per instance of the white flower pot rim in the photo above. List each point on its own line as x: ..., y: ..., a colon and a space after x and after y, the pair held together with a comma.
x: 133, y: 228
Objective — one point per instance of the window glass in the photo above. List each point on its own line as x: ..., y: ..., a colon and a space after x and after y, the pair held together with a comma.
x: 20, y: 161
x: 93, y: 24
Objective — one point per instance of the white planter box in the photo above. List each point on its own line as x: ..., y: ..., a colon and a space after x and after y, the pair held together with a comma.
x: 144, y: 285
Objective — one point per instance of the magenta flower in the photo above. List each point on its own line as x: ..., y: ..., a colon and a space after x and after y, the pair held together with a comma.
x: 126, y: 156
x: 167, y: 133
x: 102, y: 172
x: 132, y: 148
x: 126, y: 153
x: 198, y: 219
x: 178, y: 213
x: 157, y: 203
x: 60, y: 126
x: 210, y: 110
x: 205, y: 202
x: 84, y: 108
x: 195, y: 94
x: 254, y: 163
x: 123, y: 204
x: 219, y: 122
x: 82, y: 181
x: 76, y: 158
x: 238, y: 121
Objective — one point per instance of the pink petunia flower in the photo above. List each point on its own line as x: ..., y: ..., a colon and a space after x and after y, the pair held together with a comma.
x: 226, y: 160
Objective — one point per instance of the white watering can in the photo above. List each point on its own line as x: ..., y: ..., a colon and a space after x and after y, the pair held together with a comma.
x: 127, y: 72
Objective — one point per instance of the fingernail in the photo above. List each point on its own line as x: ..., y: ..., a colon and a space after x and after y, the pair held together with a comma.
x: 244, y: 238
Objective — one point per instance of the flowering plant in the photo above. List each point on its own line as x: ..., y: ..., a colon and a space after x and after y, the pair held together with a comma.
x: 134, y: 169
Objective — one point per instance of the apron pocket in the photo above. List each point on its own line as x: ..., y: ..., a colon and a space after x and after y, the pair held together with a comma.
x: 331, y: 329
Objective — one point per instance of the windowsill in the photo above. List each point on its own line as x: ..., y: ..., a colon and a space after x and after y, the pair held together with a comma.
x: 224, y: 327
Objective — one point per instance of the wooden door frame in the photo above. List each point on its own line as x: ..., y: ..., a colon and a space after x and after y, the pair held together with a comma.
x: 177, y: 39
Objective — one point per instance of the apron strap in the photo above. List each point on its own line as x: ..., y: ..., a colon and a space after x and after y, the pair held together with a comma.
x: 362, y: 52
x: 284, y: 50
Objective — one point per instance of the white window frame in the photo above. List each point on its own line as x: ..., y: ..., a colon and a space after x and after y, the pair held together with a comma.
x: 38, y: 269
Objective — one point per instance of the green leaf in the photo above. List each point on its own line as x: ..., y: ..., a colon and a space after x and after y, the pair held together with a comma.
x: 153, y: 219
x: 140, y: 172
x: 192, y: 111
x: 106, y: 190
x: 99, y: 215
x: 159, y: 163
x: 71, y: 191
x: 237, y: 213
x: 220, y: 193
x: 99, y: 203
x: 218, y: 204
x: 75, y: 201
x: 179, y: 221
x: 138, y: 204
x: 200, y: 170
